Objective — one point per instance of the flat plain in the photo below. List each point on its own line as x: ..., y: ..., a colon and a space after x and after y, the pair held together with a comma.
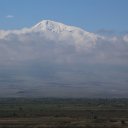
x: 63, y: 113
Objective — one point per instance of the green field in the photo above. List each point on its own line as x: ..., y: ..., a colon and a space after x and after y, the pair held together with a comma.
x: 63, y: 113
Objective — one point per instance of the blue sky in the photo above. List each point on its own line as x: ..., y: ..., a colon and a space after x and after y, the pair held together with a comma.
x: 88, y: 14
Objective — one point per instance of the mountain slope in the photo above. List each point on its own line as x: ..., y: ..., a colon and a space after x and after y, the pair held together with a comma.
x: 47, y: 26
x: 54, y: 27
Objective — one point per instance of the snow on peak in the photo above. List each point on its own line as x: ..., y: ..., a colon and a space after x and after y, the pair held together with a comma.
x: 48, y: 25
x: 63, y: 31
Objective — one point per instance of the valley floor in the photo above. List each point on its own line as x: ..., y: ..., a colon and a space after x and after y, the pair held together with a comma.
x: 63, y: 113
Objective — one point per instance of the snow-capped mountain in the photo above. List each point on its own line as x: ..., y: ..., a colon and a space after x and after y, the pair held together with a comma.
x: 46, y: 26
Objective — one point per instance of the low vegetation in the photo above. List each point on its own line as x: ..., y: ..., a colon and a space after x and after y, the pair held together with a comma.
x: 63, y: 113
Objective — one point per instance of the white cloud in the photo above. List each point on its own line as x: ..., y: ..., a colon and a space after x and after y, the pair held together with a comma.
x: 125, y: 38
x: 63, y: 47
x: 9, y: 16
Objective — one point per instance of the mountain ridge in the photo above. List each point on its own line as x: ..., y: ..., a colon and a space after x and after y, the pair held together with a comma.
x: 55, y: 26
x: 50, y: 26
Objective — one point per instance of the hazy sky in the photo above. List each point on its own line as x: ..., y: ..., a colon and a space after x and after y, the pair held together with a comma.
x: 90, y: 15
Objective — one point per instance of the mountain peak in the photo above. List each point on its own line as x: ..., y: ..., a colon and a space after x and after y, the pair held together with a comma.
x: 48, y: 25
